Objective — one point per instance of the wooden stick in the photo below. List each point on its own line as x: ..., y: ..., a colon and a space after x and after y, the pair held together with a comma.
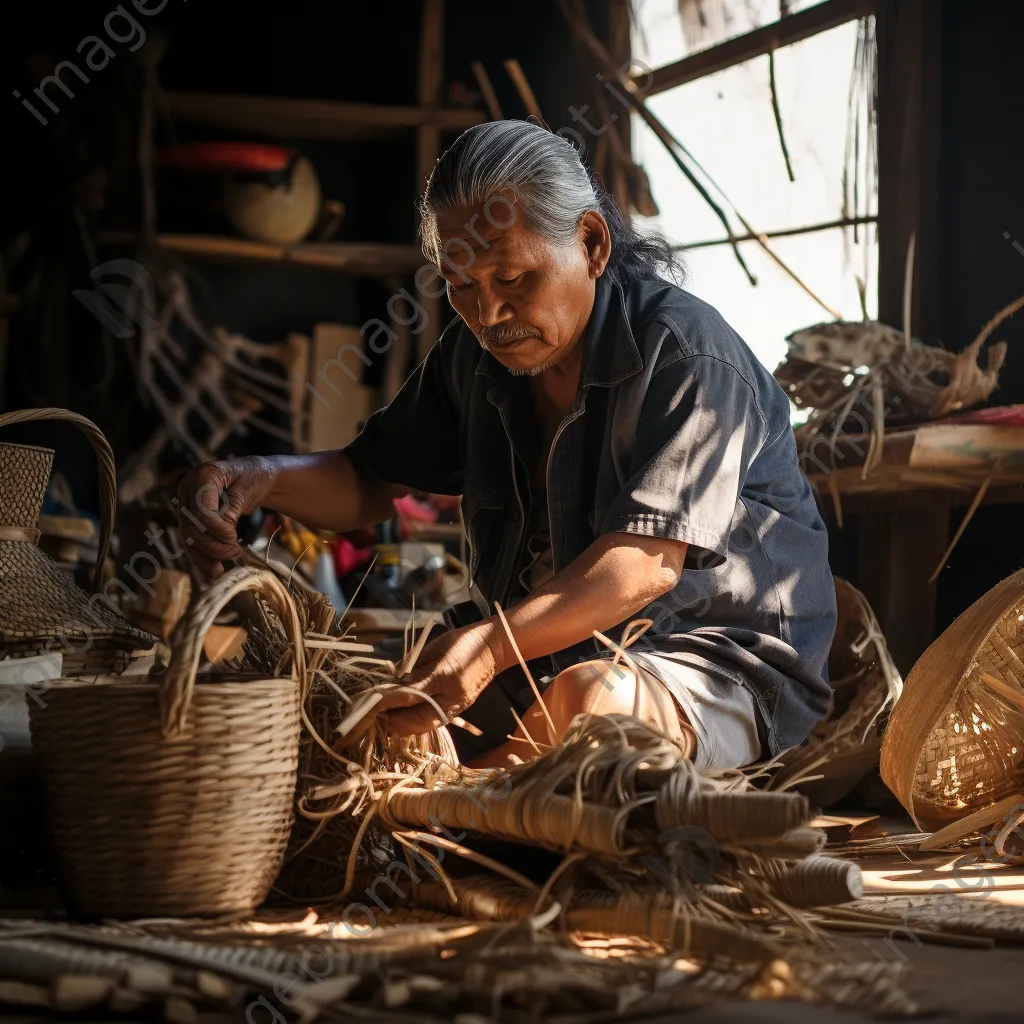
x: 978, y: 498
x: 519, y: 80
x: 483, y: 80
x: 1007, y: 692
x: 908, y: 290
x: 808, y: 229
x: 776, y: 110
x: 339, y: 645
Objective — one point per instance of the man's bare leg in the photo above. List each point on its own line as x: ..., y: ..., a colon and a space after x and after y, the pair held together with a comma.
x: 594, y: 687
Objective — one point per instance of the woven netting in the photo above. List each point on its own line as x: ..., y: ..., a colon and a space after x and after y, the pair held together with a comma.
x: 845, y: 745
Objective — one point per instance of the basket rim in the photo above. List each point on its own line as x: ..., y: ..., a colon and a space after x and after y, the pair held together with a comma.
x: 30, y: 447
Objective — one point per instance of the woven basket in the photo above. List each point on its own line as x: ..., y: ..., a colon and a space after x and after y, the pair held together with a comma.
x: 39, y: 602
x: 955, y: 741
x: 844, y: 747
x: 172, y: 797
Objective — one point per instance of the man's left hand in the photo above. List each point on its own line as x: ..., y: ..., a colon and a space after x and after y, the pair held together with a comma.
x: 453, y: 669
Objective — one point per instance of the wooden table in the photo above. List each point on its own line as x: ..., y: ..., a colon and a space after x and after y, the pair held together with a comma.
x: 904, y: 503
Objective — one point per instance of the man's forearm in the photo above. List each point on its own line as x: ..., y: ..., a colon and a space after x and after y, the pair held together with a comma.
x: 325, y: 491
x: 614, y: 578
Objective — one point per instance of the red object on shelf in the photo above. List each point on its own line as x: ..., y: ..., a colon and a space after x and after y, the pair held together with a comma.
x: 234, y: 157
x: 347, y: 557
x: 997, y: 416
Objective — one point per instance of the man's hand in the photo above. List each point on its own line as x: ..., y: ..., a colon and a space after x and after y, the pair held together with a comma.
x: 453, y: 669
x: 211, y: 498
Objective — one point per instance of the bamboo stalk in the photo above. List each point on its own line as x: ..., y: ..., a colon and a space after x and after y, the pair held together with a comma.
x: 483, y: 80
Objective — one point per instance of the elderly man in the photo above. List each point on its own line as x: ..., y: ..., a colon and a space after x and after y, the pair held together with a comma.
x: 620, y: 453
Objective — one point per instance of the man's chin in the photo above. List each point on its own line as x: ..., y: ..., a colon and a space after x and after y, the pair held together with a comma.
x: 523, y: 358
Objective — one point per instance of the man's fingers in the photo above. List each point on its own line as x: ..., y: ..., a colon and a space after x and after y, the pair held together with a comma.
x: 411, y: 721
x: 403, y: 699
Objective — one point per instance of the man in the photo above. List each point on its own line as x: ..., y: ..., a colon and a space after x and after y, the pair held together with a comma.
x: 620, y: 454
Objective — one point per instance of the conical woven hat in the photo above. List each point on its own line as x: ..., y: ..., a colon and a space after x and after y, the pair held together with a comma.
x: 38, y: 600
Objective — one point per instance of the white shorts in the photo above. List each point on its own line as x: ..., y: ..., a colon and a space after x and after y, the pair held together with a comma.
x: 722, y: 713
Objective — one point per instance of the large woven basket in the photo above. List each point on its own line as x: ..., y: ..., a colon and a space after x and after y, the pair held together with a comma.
x: 845, y: 746
x: 172, y: 796
x: 955, y: 742
x: 41, y: 608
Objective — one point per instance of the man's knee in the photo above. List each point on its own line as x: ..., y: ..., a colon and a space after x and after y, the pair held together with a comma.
x: 589, y: 674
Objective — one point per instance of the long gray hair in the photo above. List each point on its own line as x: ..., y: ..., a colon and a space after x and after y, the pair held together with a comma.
x: 552, y: 191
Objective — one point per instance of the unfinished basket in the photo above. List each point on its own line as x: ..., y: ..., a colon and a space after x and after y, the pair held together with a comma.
x: 174, y: 796
x: 40, y: 606
x: 844, y: 747
x: 955, y: 740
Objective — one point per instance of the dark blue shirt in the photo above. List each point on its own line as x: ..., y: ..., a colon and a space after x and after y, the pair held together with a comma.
x: 677, y: 431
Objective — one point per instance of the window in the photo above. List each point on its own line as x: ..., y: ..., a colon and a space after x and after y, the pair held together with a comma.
x: 824, y: 86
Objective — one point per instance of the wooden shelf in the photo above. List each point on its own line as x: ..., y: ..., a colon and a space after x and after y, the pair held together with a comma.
x: 361, y: 259
x: 312, y: 119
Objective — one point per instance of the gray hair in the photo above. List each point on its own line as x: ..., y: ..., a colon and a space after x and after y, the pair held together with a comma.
x: 552, y: 191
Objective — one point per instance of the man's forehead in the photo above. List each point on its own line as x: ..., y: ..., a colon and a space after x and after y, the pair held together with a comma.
x: 474, y: 228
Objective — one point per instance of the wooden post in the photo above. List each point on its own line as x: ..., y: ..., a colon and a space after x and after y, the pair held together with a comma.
x: 909, y: 87
x: 428, y: 139
x: 900, y: 547
x: 897, y: 551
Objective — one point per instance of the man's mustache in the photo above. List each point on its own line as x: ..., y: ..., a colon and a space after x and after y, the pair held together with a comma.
x: 503, y: 334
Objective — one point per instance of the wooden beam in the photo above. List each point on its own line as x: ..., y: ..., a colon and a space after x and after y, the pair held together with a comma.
x: 312, y: 119
x: 786, y: 31
x: 361, y: 259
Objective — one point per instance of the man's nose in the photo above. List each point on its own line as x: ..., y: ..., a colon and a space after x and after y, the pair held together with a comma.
x: 491, y: 308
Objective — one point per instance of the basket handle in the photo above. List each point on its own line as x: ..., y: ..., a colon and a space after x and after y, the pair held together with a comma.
x: 177, y: 683
x: 104, y: 460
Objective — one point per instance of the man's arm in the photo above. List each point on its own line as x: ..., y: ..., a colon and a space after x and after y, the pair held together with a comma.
x: 325, y: 491
x: 617, y: 576
x: 322, y: 490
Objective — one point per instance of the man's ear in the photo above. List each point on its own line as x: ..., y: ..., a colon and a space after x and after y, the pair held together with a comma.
x: 596, y: 237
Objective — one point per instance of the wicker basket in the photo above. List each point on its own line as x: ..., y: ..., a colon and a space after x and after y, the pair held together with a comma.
x: 844, y: 747
x: 40, y: 606
x: 170, y: 798
x: 955, y: 742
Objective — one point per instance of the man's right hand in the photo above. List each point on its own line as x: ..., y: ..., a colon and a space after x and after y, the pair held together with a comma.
x: 211, y: 498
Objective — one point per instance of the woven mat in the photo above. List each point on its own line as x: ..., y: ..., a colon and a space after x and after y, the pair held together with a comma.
x: 413, y: 966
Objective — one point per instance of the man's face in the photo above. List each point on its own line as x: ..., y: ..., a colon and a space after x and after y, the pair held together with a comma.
x: 526, y: 299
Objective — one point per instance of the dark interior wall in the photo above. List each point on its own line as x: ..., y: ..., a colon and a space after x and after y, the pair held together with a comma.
x: 982, y: 176
x: 982, y: 199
